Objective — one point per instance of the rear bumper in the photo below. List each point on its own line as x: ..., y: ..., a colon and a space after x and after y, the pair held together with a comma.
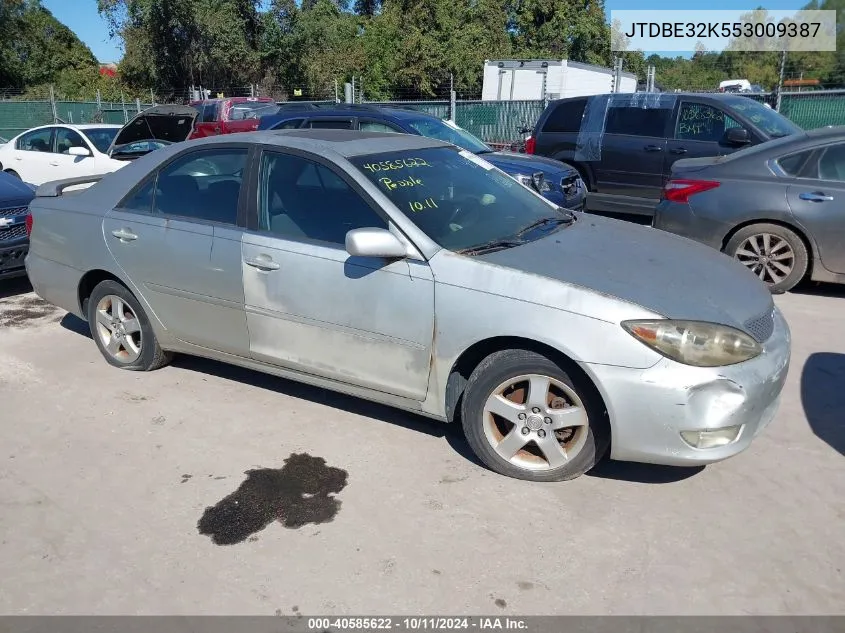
x: 55, y: 283
x: 12, y: 258
x: 680, y: 219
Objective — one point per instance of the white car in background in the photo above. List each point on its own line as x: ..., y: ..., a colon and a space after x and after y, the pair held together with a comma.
x: 53, y: 152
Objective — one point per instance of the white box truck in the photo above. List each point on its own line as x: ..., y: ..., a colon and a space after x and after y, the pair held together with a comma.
x: 527, y: 79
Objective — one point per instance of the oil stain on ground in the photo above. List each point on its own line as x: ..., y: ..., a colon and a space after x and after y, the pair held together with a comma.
x: 300, y: 492
x: 20, y: 311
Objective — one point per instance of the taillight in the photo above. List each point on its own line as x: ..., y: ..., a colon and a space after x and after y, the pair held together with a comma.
x: 254, y: 126
x: 530, y: 145
x: 680, y: 190
x: 28, y: 224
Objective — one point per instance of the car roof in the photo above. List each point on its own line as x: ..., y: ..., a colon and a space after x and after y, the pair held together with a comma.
x: 74, y: 126
x: 396, y: 113
x: 346, y: 143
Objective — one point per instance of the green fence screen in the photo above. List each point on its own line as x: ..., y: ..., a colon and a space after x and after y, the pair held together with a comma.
x: 19, y: 116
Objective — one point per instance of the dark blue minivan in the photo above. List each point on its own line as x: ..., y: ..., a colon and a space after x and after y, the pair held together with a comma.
x: 556, y: 181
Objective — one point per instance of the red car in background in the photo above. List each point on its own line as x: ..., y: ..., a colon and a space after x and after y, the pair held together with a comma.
x: 230, y: 115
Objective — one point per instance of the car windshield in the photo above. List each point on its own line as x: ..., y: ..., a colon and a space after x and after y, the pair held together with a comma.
x: 459, y: 200
x: 252, y: 110
x: 449, y: 132
x: 774, y: 124
x: 101, y: 137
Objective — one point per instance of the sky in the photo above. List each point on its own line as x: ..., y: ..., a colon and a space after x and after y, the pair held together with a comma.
x: 81, y: 16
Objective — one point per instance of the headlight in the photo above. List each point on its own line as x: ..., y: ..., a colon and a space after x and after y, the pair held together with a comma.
x: 537, y: 182
x: 694, y: 342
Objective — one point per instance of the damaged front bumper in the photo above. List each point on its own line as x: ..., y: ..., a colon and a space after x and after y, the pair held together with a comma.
x: 680, y: 415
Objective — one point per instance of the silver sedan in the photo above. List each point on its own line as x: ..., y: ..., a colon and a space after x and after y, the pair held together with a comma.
x: 406, y: 271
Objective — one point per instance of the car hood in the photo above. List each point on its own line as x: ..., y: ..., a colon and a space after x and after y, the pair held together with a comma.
x: 662, y: 272
x: 14, y: 192
x: 527, y: 164
x: 167, y: 123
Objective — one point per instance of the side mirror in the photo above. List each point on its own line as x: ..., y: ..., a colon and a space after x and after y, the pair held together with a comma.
x: 737, y: 136
x: 373, y: 242
x: 79, y: 151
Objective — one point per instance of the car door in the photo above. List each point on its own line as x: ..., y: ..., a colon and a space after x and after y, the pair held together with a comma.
x: 817, y: 199
x: 64, y: 164
x: 314, y: 308
x: 632, y: 151
x: 699, y: 131
x: 208, y: 121
x: 32, y: 156
x: 177, y: 238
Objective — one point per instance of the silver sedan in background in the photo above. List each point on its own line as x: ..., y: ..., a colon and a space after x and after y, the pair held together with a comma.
x: 407, y: 271
x: 777, y: 207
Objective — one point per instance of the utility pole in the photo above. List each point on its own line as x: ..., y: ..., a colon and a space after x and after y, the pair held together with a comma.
x: 780, y: 79
x: 453, y: 97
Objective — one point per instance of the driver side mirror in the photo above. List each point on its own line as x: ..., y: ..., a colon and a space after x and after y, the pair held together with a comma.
x: 737, y: 136
x: 79, y: 151
x: 372, y: 242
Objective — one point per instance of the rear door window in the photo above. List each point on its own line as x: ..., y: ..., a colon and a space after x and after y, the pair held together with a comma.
x: 37, y: 140
x: 633, y: 121
x: 330, y: 124
x: 566, y: 116
x: 288, y: 125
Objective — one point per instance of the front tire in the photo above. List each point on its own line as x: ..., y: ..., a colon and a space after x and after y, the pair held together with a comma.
x: 776, y: 254
x: 121, y: 329
x: 525, y: 417
x: 12, y: 172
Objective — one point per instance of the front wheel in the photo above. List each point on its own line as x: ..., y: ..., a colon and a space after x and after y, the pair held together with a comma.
x: 776, y: 254
x: 12, y: 172
x: 525, y: 417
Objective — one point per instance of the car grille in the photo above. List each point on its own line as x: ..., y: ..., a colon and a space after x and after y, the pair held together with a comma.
x: 13, y: 232
x: 16, y: 231
x: 7, y: 213
x: 761, y: 328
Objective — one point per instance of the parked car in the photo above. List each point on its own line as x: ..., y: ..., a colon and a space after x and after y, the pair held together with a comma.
x: 15, y: 197
x: 228, y: 116
x: 624, y: 145
x: 776, y: 208
x: 51, y: 152
x: 152, y: 129
x: 557, y: 182
x: 407, y: 271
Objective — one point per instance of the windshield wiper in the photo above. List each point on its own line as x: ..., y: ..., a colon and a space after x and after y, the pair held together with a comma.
x: 484, y: 151
x: 493, y: 245
x: 566, y: 219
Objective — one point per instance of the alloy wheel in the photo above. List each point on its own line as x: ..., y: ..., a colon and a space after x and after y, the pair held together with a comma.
x: 119, y: 329
x: 768, y: 256
x: 535, y: 422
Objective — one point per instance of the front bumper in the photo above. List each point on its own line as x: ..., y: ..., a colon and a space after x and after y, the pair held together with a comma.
x: 650, y: 408
x: 12, y: 258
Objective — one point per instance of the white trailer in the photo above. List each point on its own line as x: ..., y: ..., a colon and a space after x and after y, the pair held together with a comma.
x: 527, y: 79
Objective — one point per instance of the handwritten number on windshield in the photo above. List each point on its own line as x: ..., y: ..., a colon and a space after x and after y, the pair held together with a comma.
x: 387, y: 165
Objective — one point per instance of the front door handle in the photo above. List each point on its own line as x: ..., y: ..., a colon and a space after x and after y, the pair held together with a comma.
x: 124, y: 235
x: 815, y: 196
x: 653, y: 148
x: 262, y: 262
x: 678, y: 150
x: 54, y: 163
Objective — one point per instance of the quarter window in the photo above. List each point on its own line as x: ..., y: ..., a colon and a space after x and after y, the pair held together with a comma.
x: 209, y: 112
x: 637, y: 121
x: 300, y: 199
x: 331, y: 124
x: 832, y: 164
x: 288, y: 125
x: 37, y: 141
x: 702, y: 122
x: 793, y: 164
x: 142, y: 200
x: 566, y: 116
x: 202, y: 185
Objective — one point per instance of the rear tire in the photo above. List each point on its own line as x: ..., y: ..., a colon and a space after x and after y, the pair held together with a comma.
x: 121, y: 329
x: 776, y: 254
x: 526, y: 418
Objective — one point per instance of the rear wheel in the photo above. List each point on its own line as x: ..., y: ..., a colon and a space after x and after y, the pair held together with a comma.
x: 776, y: 254
x: 525, y: 417
x: 122, y: 331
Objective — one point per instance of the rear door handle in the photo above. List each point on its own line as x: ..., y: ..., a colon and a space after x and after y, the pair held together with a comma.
x: 653, y: 148
x: 678, y: 150
x: 124, y: 235
x: 54, y: 163
x: 262, y: 262
x: 815, y: 196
